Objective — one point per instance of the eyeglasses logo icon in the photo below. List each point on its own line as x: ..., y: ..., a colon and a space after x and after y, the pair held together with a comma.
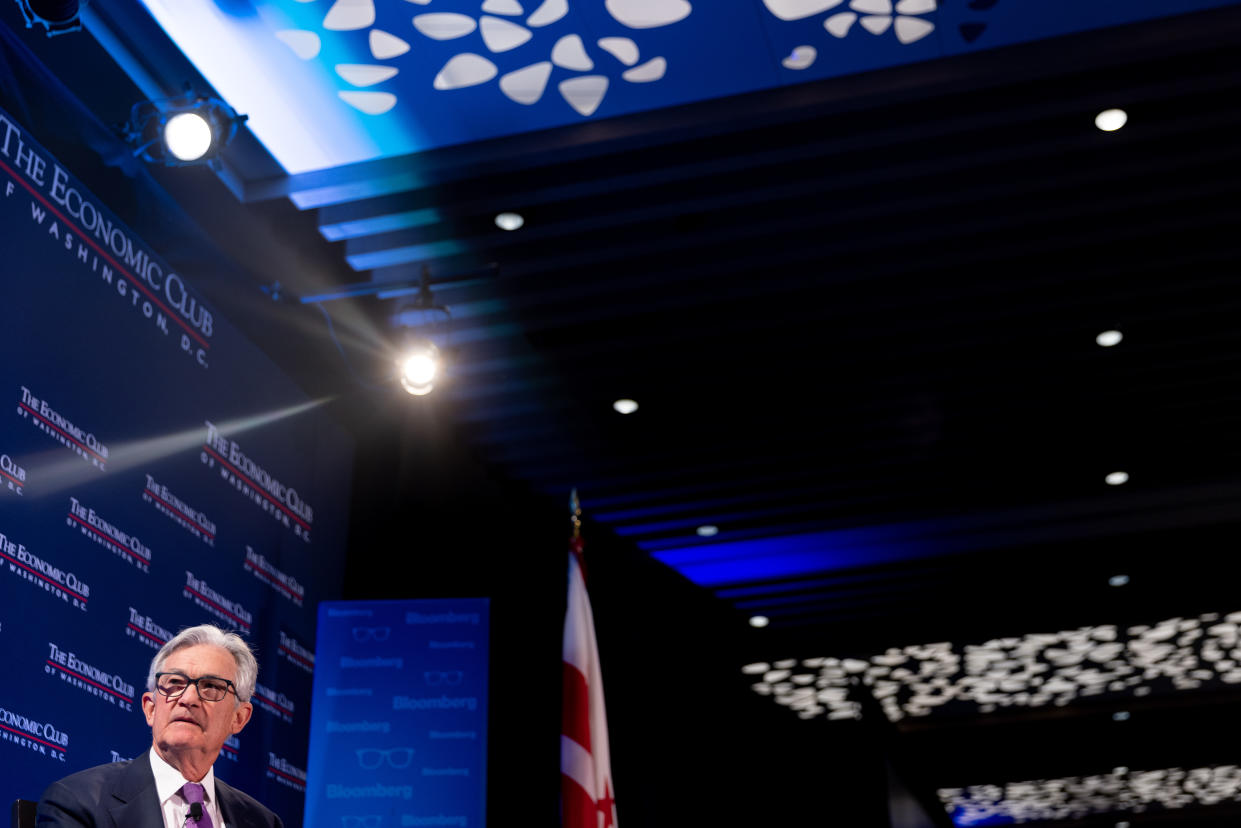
x: 370, y: 821
x: 448, y: 678
x: 372, y: 758
x: 363, y: 634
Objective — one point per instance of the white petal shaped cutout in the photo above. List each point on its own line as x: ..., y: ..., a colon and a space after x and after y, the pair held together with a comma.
x: 585, y: 93
x: 800, y: 58
x: 503, y: 7
x: 797, y: 9
x: 916, y: 6
x: 621, y: 48
x: 548, y: 13
x: 648, y: 14
x: 348, y: 15
x: 872, y: 6
x: 570, y: 53
x: 420, y: 2
x: 876, y: 24
x: 372, y: 103
x: 525, y: 86
x: 444, y: 25
x: 652, y: 70
x: 839, y: 24
x: 385, y: 46
x: 304, y: 44
x: 465, y: 70
x: 909, y: 29
x: 502, y: 35
x: 363, y: 74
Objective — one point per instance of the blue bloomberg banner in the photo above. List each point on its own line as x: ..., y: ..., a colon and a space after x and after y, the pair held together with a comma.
x: 156, y: 471
x: 398, y: 734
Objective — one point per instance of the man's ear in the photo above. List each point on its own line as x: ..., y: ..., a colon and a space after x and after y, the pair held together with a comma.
x: 148, y: 707
x: 241, y: 715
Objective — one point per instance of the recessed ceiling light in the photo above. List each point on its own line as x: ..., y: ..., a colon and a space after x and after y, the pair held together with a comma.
x: 759, y: 621
x: 510, y: 221
x: 625, y: 406
x: 1109, y: 338
x: 1117, y: 478
x: 1118, y: 580
x: 1110, y: 120
x: 1120, y: 716
x: 708, y: 531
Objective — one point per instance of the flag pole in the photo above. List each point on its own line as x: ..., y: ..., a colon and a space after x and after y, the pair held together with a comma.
x: 588, y: 798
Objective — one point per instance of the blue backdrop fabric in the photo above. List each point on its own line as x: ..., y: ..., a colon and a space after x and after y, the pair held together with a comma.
x: 156, y: 471
x: 399, y: 725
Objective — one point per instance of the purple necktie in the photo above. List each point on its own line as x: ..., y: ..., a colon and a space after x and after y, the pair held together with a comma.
x: 192, y: 792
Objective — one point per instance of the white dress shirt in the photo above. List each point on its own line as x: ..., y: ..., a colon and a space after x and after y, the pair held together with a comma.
x: 168, y: 782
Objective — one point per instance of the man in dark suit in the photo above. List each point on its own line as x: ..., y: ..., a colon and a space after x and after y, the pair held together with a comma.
x: 198, y: 694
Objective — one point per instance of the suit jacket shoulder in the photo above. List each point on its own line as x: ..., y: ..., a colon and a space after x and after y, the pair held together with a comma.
x: 240, y: 810
x: 119, y: 794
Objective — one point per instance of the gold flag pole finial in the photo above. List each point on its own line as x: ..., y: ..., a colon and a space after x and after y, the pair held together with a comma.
x: 575, y: 513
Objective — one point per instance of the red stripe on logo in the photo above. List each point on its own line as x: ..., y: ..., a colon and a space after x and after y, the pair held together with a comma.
x: 179, y: 512
x: 88, y: 681
x: 256, y: 487
x: 137, y: 282
x: 44, y: 577
x: 217, y: 606
x: 109, y: 540
x: 34, y: 739
x: 156, y: 639
x: 70, y: 437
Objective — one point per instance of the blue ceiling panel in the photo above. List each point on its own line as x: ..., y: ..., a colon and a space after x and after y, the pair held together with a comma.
x: 328, y: 83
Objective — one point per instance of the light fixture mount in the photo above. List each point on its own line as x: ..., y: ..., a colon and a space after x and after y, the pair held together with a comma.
x: 157, y: 128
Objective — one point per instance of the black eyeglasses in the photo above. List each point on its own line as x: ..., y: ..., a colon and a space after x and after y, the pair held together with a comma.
x: 210, y: 688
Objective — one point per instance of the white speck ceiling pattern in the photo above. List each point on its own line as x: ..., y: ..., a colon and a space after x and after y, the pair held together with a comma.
x: 333, y: 82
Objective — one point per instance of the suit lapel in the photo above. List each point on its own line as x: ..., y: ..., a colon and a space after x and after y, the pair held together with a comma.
x: 135, y: 802
x: 233, y: 815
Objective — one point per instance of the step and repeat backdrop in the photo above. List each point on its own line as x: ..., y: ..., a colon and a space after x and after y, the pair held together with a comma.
x: 156, y: 471
x: 399, y: 734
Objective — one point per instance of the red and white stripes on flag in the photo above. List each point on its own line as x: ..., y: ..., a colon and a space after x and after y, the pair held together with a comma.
x: 586, y: 791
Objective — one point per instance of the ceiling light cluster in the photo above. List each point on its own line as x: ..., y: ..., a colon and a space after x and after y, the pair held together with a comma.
x: 1031, y: 671
x: 1079, y: 797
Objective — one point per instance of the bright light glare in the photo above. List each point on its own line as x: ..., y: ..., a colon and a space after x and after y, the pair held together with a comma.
x: 419, y: 368
x: 708, y: 531
x: 1118, y: 580
x: 509, y: 221
x: 1120, y: 716
x: 625, y: 406
x: 759, y: 621
x: 1117, y: 478
x: 1110, y: 120
x: 187, y: 136
x: 1109, y: 338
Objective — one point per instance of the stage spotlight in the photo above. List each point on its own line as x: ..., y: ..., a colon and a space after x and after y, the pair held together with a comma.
x: 55, y: 16
x: 181, y: 131
x: 420, y: 366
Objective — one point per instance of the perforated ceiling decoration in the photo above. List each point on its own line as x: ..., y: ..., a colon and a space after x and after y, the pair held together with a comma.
x: 505, y: 26
x: 1077, y: 797
x: 1031, y: 671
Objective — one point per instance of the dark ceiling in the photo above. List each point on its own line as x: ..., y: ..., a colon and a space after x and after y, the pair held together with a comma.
x: 859, y: 316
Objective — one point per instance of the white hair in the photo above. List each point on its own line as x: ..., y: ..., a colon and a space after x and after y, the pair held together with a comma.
x: 247, y: 666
